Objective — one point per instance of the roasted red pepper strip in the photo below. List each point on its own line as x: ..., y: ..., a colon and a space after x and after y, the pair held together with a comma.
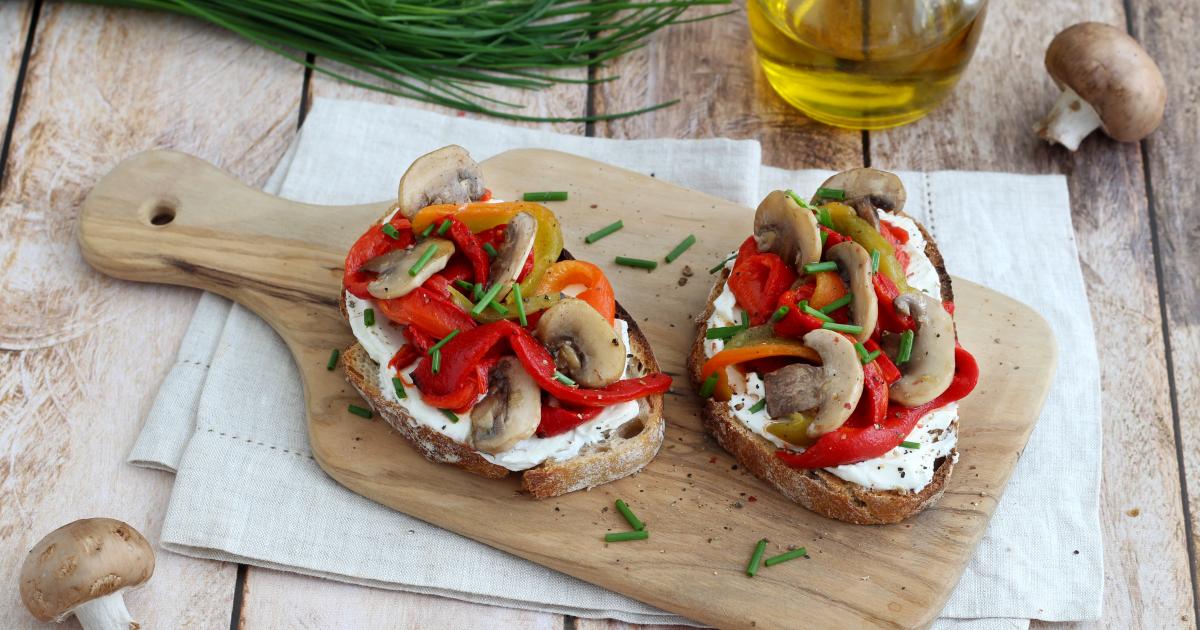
x: 424, y: 309
x: 757, y: 281
x: 832, y: 238
x: 557, y: 419
x: 370, y: 245
x: 889, y: 319
x: 795, y: 323
x: 895, y: 237
x: 890, y: 372
x: 463, y: 374
x: 466, y: 243
x: 851, y: 444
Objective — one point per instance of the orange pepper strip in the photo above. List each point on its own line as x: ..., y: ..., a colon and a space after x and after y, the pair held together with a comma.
x: 599, y: 293
x: 732, y: 356
x: 829, y: 289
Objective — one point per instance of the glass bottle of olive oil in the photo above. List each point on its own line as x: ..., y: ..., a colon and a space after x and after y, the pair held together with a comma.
x: 865, y: 64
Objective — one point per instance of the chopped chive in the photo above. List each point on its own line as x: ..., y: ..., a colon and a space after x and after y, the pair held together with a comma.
x: 815, y: 313
x: 817, y: 267
x: 723, y: 332
x: 438, y: 346
x: 745, y: 319
x: 784, y: 557
x: 391, y: 231
x: 398, y: 385
x: 498, y: 307
x: 722, y: 264
x: 824, y: 218
x: 850, y: 329
x: 437, y: 360
x: 836, y: 194
x: 906, y: 344
x: 871, y: 357
x: 681, y: 247
x: 639, y: 534
x: 462, y: 284
x: 476, y: 291
x: 557, y: 195
x: 449, y: 414
x: 634, y: 521
x: 838, y: 303
x: 604, y: 231
x: 361, y: 412
x: 874, y: 260
x: 824, y: 237
x: 710, y: 383
x: 799, y: 202
x: 520, y: 304
x: 486, y: 297
x: 913, y: 445
x: 427, y: 231
x: 490, y: 249
x: 333, y: 359
x: 862, y: 352
x: 759, y: 406
x: 443, y: 227
x: 564, y: 379
x: 640, y: 263
x: 780, y: 313
x: 369, y: 317
x: 423, y: 260
x: 756, y: 557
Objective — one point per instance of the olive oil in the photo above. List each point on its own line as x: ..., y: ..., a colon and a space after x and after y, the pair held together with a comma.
x: 865, y: 64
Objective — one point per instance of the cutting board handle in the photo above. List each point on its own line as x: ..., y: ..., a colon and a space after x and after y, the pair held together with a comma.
x: 167, y: 217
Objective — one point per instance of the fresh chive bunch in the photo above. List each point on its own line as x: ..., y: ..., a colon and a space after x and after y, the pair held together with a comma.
x: 444, y: 51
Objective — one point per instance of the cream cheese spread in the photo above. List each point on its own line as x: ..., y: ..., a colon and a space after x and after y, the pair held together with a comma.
x: 899, y: 469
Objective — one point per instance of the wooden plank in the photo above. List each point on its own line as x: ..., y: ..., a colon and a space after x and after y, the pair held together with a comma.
x: 687, y: 492
x: 273, y: 606
x: 1167, y: 28
x: 104, y: 84
x: 985, y: 126
x: 711, y: 68
x: 289, y: 600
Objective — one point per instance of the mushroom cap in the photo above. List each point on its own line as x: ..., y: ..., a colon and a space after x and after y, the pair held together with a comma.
x: 519, y: 236
x: 867, y: 190
x: 510, y: 412
x: 843, y: 379
x: 930, y: 368
x: 447, y: 175
x: 584, y: 345
x: 854, y: 261
x: 83, y: 561
x: 1113, y: 73
x: 782, y: 227
x: 394, y: 279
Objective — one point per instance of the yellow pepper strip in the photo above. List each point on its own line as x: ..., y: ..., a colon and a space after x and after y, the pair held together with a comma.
x: 847, y: 221
x: 547, y: 242
x: 777, y: 347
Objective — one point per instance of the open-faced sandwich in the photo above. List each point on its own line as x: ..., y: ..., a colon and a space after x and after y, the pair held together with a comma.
x: 829, y: 355
x: 483, y: 344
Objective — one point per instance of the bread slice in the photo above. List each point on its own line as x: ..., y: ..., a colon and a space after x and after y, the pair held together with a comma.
x: 630, y: 447
x: 816, y: 489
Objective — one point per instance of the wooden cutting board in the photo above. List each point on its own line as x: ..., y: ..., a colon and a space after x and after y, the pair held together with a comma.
x: 171, y: 218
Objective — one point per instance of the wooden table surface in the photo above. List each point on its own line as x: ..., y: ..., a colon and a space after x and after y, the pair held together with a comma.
x: 81, y: 355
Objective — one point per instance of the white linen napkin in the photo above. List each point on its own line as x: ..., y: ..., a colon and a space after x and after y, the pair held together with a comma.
x: 229, y: 416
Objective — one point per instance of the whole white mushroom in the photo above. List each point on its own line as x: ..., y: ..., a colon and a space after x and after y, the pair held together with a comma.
x: 81, y: 568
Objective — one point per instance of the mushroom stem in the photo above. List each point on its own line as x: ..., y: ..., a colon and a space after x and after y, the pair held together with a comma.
x: 105, y: 613
x: 1069, y: 121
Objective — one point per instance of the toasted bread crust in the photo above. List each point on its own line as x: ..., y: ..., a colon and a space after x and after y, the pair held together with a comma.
x: 632, y: 447
x: 816, y: 489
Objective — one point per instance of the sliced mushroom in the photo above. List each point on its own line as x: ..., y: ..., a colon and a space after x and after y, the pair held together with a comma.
x: 843, y: 379
x: 930, y: 367
x: 393, y: 268
x: 868, y: 190
x: 795, y: 388
x: 855, y: 263
x: 518, y: 242
x: 447, y: 175
x: 511, y: 410
x: 584, y: 346
x: 782, y: 227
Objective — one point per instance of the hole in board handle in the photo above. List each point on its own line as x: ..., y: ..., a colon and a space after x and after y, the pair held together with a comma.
x: 159, y: 212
